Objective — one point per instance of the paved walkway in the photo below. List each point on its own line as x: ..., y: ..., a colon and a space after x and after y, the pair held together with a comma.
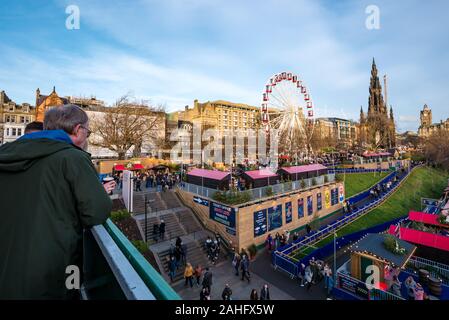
x: 223, y: 274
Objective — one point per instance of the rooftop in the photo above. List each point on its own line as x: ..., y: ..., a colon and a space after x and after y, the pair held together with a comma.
x: 209, y: 174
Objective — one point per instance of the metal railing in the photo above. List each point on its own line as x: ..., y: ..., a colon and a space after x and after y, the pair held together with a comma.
x: 107, y: 272
x: 285, y: 265
x: 377, y: 294
x: 436, y: 269
x: 263, y: 192
x: 159, y: 288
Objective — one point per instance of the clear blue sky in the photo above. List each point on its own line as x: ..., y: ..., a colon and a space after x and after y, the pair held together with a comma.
x: 173, y: 51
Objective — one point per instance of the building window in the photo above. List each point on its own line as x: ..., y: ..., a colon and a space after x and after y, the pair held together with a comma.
x: 22, y: 119
x: 19, y: 132
x: 7, y: 132
x: 13, y: 132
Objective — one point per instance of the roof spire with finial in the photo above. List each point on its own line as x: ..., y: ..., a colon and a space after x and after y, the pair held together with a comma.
x: 54, y: 89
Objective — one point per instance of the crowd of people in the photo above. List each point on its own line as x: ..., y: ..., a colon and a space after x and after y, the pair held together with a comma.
x: 415, y: 290
x: 213, y: 248
x: 160, y: 180
x: 177, y: 256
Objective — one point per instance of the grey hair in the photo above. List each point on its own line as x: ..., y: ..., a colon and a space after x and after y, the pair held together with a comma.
x: 65, y: 117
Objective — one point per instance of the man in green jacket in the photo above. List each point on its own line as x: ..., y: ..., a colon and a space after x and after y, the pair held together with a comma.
x: 49, y: 192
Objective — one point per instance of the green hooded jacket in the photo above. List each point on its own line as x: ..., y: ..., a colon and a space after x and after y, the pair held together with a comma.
x: 49, y: 192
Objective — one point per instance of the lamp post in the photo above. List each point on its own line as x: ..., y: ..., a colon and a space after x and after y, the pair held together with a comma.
x: 146, y: 203
x: 335, y: 257
x: 146, y: 220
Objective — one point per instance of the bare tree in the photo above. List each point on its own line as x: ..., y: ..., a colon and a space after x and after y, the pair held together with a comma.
x: 127, y: 124
x: 436, y: 148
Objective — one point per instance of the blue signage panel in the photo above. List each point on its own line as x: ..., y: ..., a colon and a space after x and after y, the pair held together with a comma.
x: 319, y: 202
x: 300, y: 208
x: 260, y: 222
x: 334, y: 196
x: 202, y: 201
x: 288, y: 212
x: 222, y: 214
x: 274, y: 217
x: 309, y: 205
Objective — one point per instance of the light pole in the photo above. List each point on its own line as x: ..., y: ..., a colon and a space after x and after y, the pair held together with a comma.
x: 146, y: 220
x: 335, y: 256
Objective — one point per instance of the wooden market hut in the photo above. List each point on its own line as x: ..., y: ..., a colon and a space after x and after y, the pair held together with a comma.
x: 302, y: 172
x: 260, y: 178
x: 377, y: 156
x: 209, y: 178
x: 371, y: 250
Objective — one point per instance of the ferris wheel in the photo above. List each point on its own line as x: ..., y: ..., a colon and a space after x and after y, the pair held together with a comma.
x: 288, y: 108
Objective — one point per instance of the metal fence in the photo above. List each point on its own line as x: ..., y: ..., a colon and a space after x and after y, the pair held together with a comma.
x: 436, y: 270
x: 259, y: 193
x: 285, y: 264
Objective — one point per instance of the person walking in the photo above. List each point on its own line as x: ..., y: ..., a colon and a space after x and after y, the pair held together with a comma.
x: 204, y: 294
x: 162, y: 229
x: 268, y: 243
x: 308, y: 228
x: 177, y: 256
x: 207, y: 279
x: 41, y: 227
x: 308, y: 277
x: 302, y: 274
x: 236, y: 263
x: 265, y: 293
x: 155, y: 231
x: 188, y: 275
x: 198, y: 272
x: 138, y: 184
x: 327, y: 274
x: 254, y: 295
x: 172, y: 266
x: 244, y: 266
x: 227, y: 293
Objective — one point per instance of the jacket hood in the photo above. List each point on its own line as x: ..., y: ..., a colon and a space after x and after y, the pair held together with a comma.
x: 25, y: 151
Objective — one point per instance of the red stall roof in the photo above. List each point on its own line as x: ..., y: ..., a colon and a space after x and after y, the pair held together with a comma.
x: 423, y: 238
x: 119, y: 167
x: 306, y: 168
x: 425, y: 218
x: 260, y: 174
x: 210, y: 174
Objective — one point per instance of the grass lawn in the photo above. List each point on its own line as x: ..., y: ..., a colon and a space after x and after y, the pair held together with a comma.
x: 358, y: 182
x: 423, y: 182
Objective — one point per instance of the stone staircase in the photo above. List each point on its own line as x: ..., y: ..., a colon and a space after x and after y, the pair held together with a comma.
x: 195, y: 256
x: 173, y: 228
x: 170, y: 199
x: 155, y: 202
x: 180, y: 221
